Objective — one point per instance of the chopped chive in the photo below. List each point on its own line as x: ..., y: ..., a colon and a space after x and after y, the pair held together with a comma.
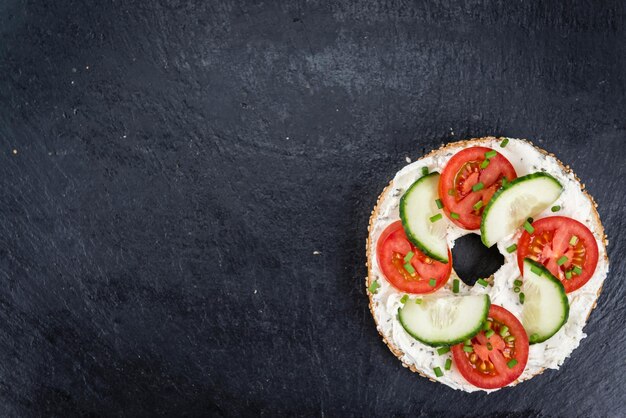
x: 491, y: 154
x: 482, y: 282
x: 424, y: 171
x: 504, y: 182
x: 577, y: 270
x: 450, y: 192
x: 408, y: 267
x: 448, y: 365
x: 436, y: 217
x: 517, y: 282
x: 468, y: 342
x: 535, y: 269
x: 478, y: 186
x: 374, y: 286
x: 512, y: 363
x: 487, y: 326
x: 509, y: 338
x: 511, y: 248
x: 528, y: 227
x: 404, y: 299
x: 454, y: 215
x: 484, y: 164
x: 478, y: 205
x: 443, y: 350
x: 455, y: 286
x: 573, y: 240
x: 504, y: 142
x: 439, y: 203
x: 408, y: 256
x: 561, y: 260
x: 418, y: 301
x: 517, y: 289
x: 555, y: 208
x: 432, y: 282
x: 468, y: 348
x: 521, y: 298
x: 438, y: 372
x: 489, y: 333
x: 568, y: 274
x: 503, y: 330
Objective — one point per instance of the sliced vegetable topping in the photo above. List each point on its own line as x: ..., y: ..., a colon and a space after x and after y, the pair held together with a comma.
x: 511, y: 248
x: 496, y: 357
x: 555, y: 208
x: 455, y: 285
x: 448, y: 364
x: 443, y: 350
x: 438, y: 372
x: 504, y: 142
x: 413, y: 276
x: 468, y: 179
x: 561, y: 245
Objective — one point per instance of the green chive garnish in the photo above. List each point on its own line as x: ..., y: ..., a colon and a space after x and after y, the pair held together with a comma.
x: 478, y: 205
x: 491, y: 154
x: 468, y: 348
x: 436, y: 217
x: 418, y: 301
x: 408, y: 267
x: 432, y: 282
x: 374, y: 286
x: 535, y: 269
x: 487, y: 326
x: 555, y: 208
x: 478, y: 186
x: 468, y: 342
x: 450, y: 192
x: 454, y: 215
x: 489, y: 333
x: 504, y: 142
x: 517, y: 282
x: 521, y: 298
x: 573, y: 240
x: 517, y: 289
x: 504, y: 182
x: 443, y: 350
x: 511, y: 248
x: 568, y: 274
x: 424, y: 171
x: 482, y: 282
x: 577, y: 270
x: 503, y: 330
x: 561, y: 260
x: 439, y: 203
x: 455, y: 286
x: 528, y: 227
x: 408, y: 256
x: 438, y: 372
x: 404, y: 299
x: 512, y: 363
x: 509, y: 338
x: 484, y: 164
x: 448, y: 365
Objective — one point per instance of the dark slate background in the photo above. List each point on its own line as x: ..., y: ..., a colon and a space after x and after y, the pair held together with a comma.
x: 169, y: 170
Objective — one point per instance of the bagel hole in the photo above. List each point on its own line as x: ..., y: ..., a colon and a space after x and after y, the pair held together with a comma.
x: 472, y: 260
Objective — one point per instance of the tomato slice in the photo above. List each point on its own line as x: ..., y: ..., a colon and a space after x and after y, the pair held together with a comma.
x: 486, y: 365
x: 466, y: 169
x: 565, y: 246
x: 392, y: 248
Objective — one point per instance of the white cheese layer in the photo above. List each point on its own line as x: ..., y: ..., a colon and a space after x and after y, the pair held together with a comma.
x: 551, y: 354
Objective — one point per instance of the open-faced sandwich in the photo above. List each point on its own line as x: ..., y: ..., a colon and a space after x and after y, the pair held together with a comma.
x: 506, y: 328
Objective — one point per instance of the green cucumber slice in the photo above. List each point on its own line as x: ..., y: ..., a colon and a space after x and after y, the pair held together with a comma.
x: 546, y: 307
x: 444, y: 320
x: 417, y: 206
x: 509, y: 207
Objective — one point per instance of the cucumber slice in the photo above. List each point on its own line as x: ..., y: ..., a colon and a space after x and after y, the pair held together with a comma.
x: 445, y: 320
x: 417, y: 206
x: 546, y: 307
x: 509, y: 207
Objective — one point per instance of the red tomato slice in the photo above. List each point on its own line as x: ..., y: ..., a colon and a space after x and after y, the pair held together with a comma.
x: 464, y: 171
x: 487, y: 365
x: 555, y: 237
x: 393, y: 246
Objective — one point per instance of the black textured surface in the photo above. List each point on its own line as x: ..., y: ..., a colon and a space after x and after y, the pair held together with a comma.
x: 186, y: 190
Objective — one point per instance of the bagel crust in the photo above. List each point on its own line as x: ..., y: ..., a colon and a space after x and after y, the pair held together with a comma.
x: 392, y: 334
